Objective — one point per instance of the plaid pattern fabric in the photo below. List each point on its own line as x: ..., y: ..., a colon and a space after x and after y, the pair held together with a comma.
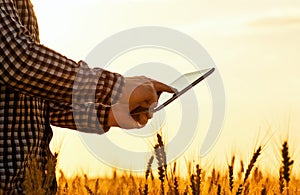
x: 37, y: 88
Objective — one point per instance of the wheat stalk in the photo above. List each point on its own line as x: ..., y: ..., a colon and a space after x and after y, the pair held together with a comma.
x: 176, y: 186
x: 219, y: 190
x: 195, y: 180
x: 230, y: 170
x: 198, y: 178
x: 147, y: 173
x: 252, y: 163
x: 149, y: 165
x: 96, y: 186
x: 146, y: 189
x: 90, y: 192
x: 193, y: 184
x: 240, y: 190
x: 66, y: 189
x: 242, y: 169
x: 161, y: 161
x: 40, y: 174
x: 212, y: 180
x: 286, y: 164
x: 281, y: 180
x: 248, y: 171
x: 264, y: 191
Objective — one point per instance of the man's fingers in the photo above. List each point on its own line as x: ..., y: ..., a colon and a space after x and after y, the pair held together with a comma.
x: 150, y: 115
x: 151, y: 102
x: 143, y: 96
x: 161, y: 87
x: 141, y: 120
x: 119, y: 117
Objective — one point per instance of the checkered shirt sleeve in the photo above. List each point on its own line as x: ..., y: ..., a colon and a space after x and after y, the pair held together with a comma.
x: 36, y: 70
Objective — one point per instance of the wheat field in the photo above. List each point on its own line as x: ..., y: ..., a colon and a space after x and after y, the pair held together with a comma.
x: 246, y: 179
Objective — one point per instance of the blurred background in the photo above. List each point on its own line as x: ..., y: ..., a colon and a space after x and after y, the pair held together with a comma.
x: 255, y: 46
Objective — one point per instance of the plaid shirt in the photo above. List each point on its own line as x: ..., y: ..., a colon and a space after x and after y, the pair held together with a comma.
x: 36, y: 90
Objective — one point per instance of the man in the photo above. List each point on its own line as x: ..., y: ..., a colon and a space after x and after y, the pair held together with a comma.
x: 37, y: 85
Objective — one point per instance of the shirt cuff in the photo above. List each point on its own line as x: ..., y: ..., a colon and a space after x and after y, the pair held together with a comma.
x: 109, y: 88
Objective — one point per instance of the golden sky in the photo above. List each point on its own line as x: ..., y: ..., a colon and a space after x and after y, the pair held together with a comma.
x: 254, y: 44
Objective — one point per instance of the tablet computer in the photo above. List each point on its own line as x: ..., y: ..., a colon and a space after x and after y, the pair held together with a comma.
x: 200, y: 76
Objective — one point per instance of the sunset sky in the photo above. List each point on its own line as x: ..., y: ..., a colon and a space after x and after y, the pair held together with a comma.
x: 255, y: 46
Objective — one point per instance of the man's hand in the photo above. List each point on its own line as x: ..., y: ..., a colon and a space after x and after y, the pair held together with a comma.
x: 137, y: 92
